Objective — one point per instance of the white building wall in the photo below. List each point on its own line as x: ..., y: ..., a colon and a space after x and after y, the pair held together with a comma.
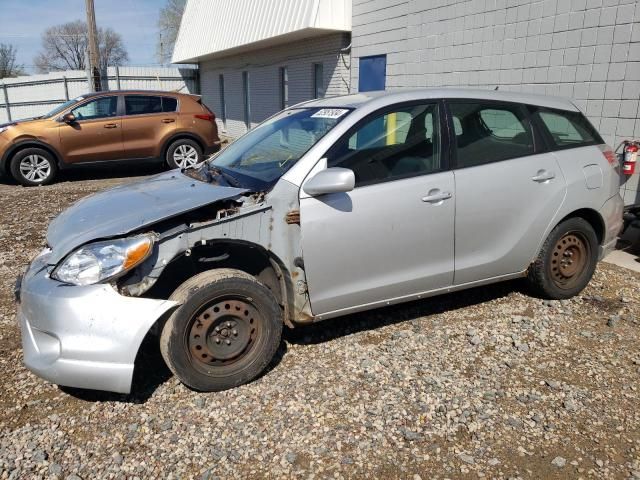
x: 263, y: 67
x: 587, y: 50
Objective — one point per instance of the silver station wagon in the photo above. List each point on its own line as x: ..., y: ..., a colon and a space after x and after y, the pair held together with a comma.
x: 329, y: 207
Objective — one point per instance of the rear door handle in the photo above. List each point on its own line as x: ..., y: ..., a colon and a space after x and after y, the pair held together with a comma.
x: 436, y: 196
x: 110, y: 125
x: 543, y: 176
x: 168, y: 120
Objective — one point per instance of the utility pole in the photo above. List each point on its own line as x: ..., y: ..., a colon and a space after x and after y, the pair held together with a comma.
x: 94, y: 54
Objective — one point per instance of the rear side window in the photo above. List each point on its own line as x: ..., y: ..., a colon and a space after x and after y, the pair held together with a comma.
x: 502, y: 123
x: 142, y: 104
x: 569, y: 129
x: 490, y: 132
x: 169, y: 104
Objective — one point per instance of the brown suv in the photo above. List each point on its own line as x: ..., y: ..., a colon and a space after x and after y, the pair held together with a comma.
x: 118, y: 125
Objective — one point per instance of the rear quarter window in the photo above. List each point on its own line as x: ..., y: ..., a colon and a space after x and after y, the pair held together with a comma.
x: 568, y: 129
x: 169, y: 104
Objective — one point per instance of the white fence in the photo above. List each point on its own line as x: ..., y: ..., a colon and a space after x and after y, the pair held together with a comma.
x: 34, y: 95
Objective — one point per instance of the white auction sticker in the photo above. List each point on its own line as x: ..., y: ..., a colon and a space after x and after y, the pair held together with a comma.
x: 330, y: 113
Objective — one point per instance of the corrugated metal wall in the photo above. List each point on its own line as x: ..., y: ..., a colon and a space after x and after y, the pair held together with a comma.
x: 37, y: 94
x: 210, y: 26
x: 263, y: 68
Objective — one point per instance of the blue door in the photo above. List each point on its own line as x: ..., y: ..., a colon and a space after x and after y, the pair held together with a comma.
x: 373, y: 72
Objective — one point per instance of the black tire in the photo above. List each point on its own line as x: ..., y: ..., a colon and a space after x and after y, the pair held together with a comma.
x: 212, y: 350
x: 192, y: 153
x: 566, y: 261
x: 32, y: 167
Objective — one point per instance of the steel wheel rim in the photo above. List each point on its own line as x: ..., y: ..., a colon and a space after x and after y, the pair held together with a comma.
x: 569, y: 259
x: 185, y: 156
x: 223, y: 333
x: 35, y: 168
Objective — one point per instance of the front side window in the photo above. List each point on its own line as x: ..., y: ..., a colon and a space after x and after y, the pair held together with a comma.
x: 102, y: 107
x: 270, y: 149
x: 486, y: 133
x: 62, y: 107
x: 569, y: 129
x: 397, y: 144
x: 142, y: 104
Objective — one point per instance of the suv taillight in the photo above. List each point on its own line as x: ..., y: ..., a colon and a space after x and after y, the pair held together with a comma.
x: 206, y: 116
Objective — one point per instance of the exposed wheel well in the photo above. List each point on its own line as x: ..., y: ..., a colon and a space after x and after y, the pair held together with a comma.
x: 248, y: 257
x: 594, y: 219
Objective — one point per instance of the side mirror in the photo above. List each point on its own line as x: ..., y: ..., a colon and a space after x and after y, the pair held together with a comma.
x: 331, y: 180
x: 68, y: 118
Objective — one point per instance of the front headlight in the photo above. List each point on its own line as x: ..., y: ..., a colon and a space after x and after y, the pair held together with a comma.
x: 100, y: 261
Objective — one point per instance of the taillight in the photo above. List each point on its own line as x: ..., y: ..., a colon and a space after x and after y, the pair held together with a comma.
x: 630, y: 157
x: 206, y: 116
x: 611, y: 157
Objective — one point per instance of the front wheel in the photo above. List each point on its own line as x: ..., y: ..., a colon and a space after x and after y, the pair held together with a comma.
x: 225, y: 332
x: 33, y: 166
x: 566, y: 261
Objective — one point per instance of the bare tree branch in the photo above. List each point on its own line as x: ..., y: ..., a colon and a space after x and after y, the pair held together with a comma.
x: 64, y: 47
x: 168, y: 26
x: 8, y: 65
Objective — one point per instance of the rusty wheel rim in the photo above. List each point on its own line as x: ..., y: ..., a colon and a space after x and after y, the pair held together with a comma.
x: 569, y: 259
x: 223, y: 332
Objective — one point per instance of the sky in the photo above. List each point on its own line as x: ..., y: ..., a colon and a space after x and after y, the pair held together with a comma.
x: 23, y: 21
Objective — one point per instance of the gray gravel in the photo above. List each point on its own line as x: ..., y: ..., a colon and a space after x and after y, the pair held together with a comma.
x: 488, y: 383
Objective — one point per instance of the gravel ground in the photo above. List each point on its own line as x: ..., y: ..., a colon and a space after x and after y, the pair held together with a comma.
x: 488, y: 383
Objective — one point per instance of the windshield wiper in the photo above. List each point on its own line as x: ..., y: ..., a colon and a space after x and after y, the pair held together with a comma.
x: 233, y: 181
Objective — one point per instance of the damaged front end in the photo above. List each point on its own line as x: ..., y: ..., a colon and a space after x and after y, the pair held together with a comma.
x: 85, y: 331
x: 198, y: 220
x: 181, y: 241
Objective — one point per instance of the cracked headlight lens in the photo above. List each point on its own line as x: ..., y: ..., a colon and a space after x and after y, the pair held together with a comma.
x: 101, y: 261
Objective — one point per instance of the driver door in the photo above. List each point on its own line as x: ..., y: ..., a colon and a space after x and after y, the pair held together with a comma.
x: 96, y: 134
x: 392, y: 236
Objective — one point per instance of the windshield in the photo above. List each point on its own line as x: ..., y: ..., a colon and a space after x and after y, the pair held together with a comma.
x: 270, y: 149
x: 62, y: 107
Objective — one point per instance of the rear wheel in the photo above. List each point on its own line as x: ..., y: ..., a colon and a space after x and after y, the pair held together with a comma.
x: 225, y: 332
x: 184, y: 153
x: 33, y: 166
x: 567, y: 260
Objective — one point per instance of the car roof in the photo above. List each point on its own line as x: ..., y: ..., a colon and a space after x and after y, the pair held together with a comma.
x: 136, y: 92
x: 358, y: 100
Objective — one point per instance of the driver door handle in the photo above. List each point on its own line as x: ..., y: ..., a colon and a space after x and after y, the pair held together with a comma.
x: 168, y: 120
x: 436, y: 196
x: 543, y: 176
x: 110, y: 125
